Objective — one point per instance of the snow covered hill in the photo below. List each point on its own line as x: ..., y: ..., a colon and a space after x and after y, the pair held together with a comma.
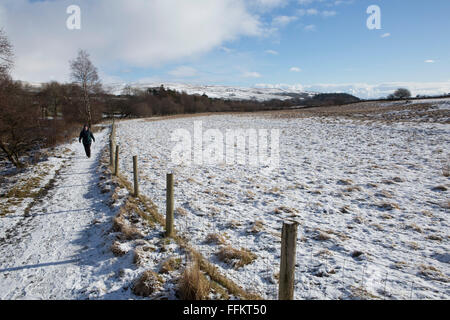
x: 225, y: 92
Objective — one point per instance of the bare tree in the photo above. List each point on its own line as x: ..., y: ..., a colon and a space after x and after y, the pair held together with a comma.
x: 84, y: 73
x: 6, y: 54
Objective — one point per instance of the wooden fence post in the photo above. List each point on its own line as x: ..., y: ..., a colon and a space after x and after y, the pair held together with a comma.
x: 111, y: 152
x: 287, y: 264
x: 169, y: 205
x: 116, y: 168
x: 135, y: 175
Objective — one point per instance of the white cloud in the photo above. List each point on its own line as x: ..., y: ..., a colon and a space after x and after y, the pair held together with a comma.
x: 307, y: 2
x: 315, y: 12
x: 329, y: 13
x: 312, y: 12
x: 226, y: 49
x: 268, y: 4
x: 183, y: 71
x: 339, y: 2
x: 295, y: 69
x: 385, y: 35
x: 250, y: 74
x: 282, y: 21
x: 430, y: 61
x: 273, y: 52
x: 369, y: 91
x: 136, y: 33
x: 310, y: 27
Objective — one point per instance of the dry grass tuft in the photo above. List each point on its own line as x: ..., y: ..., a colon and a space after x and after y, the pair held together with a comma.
x: 388, y: 206
x: 386, y: 216
x: 321, y: 236
x: 117, y: 250
x: 432, y: 273
x: 147, y: 283
x: 257, y: 226
x: 446, y: 170
x: 352, y: 188
x: 127, y: 231
x: 439, y: 188
x: 427, y: 213
x: 413, y: 245
x: 358, y: 219
x: 236, y: 257
x: 234, y: 224
x: 357, y: 254
x: 344, y: 182
x: 193, y: 284
x: 131, y: 233
x: 170, y: 264
x: 434, y: 237
x: 384, y: 194
x: 215, y: 238
x: 445, y: 205
x: 181, y: 211
x: 139, y: 257
x: 360, y: 292
x: 414, y: 227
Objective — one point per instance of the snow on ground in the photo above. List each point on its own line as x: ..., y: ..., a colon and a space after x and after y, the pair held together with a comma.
x: 370, y: 196
x: 60, y: 249
x: 438, y: 102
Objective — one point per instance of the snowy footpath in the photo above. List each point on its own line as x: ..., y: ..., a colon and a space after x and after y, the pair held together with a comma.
x: 58, y: 249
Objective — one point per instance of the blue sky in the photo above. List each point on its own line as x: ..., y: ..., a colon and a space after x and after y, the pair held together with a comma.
x: 321, y: 45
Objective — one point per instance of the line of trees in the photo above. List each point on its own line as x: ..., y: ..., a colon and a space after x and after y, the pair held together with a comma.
x: 149, y: 102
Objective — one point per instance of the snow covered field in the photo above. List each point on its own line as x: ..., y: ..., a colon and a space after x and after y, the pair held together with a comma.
x: 371, y: 198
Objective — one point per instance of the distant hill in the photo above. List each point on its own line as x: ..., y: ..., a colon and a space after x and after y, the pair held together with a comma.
x: 221, y: 92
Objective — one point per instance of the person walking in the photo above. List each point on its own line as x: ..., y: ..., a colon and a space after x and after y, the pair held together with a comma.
x: 87, y: 137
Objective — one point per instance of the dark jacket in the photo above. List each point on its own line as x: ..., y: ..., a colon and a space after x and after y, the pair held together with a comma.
x: 86, y: 136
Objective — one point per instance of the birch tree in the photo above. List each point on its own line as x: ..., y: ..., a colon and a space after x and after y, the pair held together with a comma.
x: 84, y: 73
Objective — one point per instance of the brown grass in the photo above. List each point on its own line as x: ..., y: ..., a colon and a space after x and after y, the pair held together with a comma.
x: 234, y: 224
x: 181, y: 211
x: 170, y: 264
x: 148, y: 283
x: 193, y: 284
x: 388, y: 206
x: 384, y: 194
x: 414, y: 227
x: 446, y: 170
x: 352, y: 188
x: 345, y: 182
x: 236, y: 257
x: 127, y: 231
x: 151, y: 212
x: 321, y: 236
x: 432, y: 273
x: 257, y: 226
x: 215, y: 238
x: 115, y: 248
x: 434, y: 237
x: 139, y: 257
x: 345, y: 209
